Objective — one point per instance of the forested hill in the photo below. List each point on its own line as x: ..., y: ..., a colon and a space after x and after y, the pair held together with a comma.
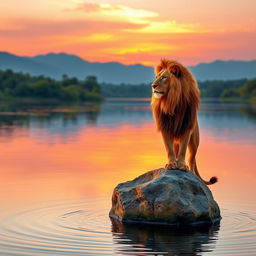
x: 54, y: 65
x: 24, y: 86
x: 232, y: 89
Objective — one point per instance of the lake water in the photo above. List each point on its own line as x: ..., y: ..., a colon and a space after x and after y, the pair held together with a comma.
x: 59, y: 166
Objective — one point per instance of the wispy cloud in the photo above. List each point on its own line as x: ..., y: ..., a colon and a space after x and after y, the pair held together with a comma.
x: 170, y: 27
x: 150, y: 19
x: 34, y: 27
x: 87, y: 7
x: 114, y: 11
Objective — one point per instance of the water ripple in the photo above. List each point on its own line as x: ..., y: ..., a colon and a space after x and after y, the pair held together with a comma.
x: 83, y: 228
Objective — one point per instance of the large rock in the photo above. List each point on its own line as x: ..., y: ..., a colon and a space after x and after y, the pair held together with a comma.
x: 171, y: 197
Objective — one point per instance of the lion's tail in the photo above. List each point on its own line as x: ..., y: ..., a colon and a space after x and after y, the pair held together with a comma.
x: 210, y: 182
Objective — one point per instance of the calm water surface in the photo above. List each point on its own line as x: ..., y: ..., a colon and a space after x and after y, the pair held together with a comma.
x: 59, y: 166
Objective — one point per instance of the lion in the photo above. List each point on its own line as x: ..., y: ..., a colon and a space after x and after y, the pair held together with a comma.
x: 175, y: 102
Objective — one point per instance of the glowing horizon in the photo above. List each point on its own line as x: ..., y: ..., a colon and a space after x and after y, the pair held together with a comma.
x: 131, y: 33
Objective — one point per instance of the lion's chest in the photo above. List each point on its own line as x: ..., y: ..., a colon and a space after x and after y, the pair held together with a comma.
x: 177, y: 124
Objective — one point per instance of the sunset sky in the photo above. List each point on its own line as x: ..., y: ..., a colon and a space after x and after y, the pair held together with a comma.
x: 131, y: 31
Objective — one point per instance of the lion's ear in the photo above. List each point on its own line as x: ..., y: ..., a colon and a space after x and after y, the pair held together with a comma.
x: 175, y: 70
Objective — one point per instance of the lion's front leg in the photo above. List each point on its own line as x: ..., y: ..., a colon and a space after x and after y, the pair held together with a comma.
x: 181, y: 163
x: 168, y: 143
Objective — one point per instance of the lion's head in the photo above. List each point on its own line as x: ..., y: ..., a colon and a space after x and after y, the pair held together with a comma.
x: 175, y: 94
x: 164, y: 77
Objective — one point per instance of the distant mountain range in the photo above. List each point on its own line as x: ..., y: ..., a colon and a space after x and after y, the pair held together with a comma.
x: 55, y: 65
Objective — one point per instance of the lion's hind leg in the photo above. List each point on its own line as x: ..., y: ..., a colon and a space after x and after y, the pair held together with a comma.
x: 193, y: 146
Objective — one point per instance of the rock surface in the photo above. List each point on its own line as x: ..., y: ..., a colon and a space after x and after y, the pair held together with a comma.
x: 172, y: 197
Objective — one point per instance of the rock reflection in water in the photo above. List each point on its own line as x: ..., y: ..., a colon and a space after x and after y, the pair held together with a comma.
x: 163, y: 240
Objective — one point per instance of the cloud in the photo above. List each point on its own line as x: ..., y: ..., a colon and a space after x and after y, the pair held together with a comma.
x: 87, y: 7
x: 169, y: 27
x: 33, y: 28
x: 115, y: 11
x: 95, y: 7
x: 151, y: 20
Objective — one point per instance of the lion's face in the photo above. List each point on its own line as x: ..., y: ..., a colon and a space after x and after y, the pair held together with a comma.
x: 160, y: 86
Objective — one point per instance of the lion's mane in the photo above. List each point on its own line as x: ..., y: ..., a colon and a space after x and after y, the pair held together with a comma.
x: 176, y: 112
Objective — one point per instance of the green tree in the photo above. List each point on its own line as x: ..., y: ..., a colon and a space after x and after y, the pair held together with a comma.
x: 249, y: 89
x: 230, y: 93
x: 72, y: 93
x: 91, y: 84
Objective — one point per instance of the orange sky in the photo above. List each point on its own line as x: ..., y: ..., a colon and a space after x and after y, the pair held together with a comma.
x: 131, y: 31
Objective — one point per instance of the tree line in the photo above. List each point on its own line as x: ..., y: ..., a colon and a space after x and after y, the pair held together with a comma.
x: 13, y: 85
x: 232, y: 89
x: 126, y: 90
x: 247, y: 91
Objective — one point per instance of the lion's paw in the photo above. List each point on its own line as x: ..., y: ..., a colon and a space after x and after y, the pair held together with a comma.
x: 171, y: 166
x: 182, y: 165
